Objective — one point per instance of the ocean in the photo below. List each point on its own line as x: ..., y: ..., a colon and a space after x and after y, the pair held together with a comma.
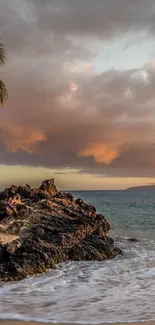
x: 118, y: 290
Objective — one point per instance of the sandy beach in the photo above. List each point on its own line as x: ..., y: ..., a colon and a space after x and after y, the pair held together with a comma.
x: 14, y: 322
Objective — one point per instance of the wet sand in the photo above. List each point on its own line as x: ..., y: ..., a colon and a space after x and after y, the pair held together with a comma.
x: 5, y: 322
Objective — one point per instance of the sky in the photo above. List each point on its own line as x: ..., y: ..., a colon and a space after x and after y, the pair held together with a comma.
x: 81, y: 82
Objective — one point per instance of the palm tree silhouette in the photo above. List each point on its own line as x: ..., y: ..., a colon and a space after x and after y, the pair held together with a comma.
x: 3, y: 90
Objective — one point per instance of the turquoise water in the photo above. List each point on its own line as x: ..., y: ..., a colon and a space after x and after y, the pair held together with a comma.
x: 130, y: 213
x: 115, y: 290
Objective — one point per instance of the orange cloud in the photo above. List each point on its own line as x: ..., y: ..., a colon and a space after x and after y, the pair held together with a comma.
x: 17, y: 137
x: 103, y: 153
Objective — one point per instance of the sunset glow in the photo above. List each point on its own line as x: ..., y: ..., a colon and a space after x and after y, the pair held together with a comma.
x: 81, y: 93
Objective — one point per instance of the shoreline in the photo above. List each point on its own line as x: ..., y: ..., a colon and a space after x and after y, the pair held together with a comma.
x: 16, y: 322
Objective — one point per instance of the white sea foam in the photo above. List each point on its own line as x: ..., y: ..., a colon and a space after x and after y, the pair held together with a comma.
x: 112, y: 291
x: 96, y: 292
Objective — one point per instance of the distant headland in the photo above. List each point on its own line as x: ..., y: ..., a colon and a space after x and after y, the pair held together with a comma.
x: 142, y: 188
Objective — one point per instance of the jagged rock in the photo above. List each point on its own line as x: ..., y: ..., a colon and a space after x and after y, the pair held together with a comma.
x: 8, y: 192
x: 52, y: 227
x: 49, y: 187
x: 24, y: 191
x: 12, y: 247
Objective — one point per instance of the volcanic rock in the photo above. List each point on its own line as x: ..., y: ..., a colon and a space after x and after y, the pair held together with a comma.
x: 51, y: 227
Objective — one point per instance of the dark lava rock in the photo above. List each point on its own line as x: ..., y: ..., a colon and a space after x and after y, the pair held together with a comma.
x: 52, y: 228
x: 132, y: 239
x: 48, y: 186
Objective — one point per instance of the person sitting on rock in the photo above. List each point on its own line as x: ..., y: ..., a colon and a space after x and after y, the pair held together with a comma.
x: 13, y: 201
x: 17, y: 199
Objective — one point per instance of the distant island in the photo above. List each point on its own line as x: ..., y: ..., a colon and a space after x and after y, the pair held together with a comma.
x: 142, y: 188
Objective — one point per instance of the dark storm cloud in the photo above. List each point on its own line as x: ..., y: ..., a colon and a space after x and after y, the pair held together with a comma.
x: 101, y: 17
x: 54, y: 24
x: 108, y: 125
x: 60, y: 112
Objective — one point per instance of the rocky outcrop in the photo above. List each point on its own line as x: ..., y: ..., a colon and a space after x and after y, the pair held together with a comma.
x: 50, y: 227
x: 48, y: 186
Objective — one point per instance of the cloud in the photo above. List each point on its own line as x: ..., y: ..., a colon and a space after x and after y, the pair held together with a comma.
x: 59, y: 173
x: 66, y: 28
x: 101, y: 18
x: 61, y: 112
x: 16, y: 137
x: 103, y: 153
x: 96, y: 129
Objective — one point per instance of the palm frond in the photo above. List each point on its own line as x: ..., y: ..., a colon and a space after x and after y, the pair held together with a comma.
x: 3, y: 92
x: 2, y: 54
